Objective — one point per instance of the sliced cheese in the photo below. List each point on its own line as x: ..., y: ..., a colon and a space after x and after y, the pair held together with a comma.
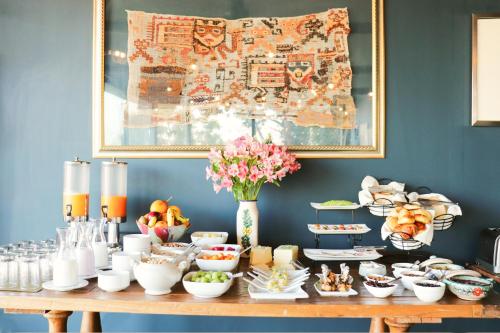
x: 261, y: 255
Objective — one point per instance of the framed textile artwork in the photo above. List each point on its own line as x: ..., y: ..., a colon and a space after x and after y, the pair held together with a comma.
x: 485, y: 70
x: 172, y: 79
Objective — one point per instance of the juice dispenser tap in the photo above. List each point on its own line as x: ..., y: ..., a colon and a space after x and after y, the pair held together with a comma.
x: 114, y: 198
x: 76, y: 191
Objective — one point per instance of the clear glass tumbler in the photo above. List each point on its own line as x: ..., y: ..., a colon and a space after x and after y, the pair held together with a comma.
x: 29, y: 273
x: 5, y: 263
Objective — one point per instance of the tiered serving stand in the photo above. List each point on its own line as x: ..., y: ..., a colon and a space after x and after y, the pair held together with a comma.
x: 354, y: 236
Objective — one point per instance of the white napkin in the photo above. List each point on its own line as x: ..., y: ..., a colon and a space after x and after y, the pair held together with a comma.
x: 365, y: 196
x: 454, y: 210
x: 424, y: 237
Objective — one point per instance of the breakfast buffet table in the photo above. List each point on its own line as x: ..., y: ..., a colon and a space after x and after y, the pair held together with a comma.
x: 397, y: 312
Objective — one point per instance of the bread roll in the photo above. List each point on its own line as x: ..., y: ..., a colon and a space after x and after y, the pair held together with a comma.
x: 392, y: 222
x: 406, y: 220
x: 409, y: 229
x: 403, y: 213
x: 422, y: 219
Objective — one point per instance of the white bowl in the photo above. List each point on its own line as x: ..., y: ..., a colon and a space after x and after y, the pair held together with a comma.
x: 225, y: 247
x: 408, y: 280
x: 112, y: 281
x: 207, y: 238
x: 381, y: 292
x: 429, y: 294
x: 399, y: 267
x: 217, y: 265
x: 377, y: 277
x: 439, y: 270
x: 206, y: 290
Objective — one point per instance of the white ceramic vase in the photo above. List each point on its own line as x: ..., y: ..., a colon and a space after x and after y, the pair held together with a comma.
x: 247, y: 224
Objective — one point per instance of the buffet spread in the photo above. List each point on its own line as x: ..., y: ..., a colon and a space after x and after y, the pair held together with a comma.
x: 207, y: 266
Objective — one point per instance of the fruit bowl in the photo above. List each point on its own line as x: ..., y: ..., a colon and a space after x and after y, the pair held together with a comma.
x: 163, y: 234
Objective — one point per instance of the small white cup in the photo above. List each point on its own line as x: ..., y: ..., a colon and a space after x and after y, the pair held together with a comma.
x: 137, y: 243
x: 112, y: 281
x: 121, y: 261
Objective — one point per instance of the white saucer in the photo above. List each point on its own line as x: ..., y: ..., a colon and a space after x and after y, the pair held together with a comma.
x: 85, y: 277
x: 49, y: 285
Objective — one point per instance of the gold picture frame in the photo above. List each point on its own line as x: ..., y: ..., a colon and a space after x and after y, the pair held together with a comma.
x: 477, y: 116
x: 377, y: 150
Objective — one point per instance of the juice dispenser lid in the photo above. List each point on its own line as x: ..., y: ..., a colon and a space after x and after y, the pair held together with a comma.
x: 114, y: 162
x: 77, y: 161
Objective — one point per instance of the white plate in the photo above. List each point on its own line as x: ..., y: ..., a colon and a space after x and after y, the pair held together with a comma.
x: 312, y: 228
x: 318, y: 206
x: 323, y: 293
x: 290, y: 295
x: 348, y: 254
x: 49, y: 285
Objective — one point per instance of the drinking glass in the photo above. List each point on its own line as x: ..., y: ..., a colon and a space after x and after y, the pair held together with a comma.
x: 5, y: 263
x: 29, y: 273
x: 45, y: 258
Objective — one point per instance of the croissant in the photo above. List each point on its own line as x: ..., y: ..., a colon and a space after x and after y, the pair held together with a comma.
x: 403, y: 212
x: 420, y: 226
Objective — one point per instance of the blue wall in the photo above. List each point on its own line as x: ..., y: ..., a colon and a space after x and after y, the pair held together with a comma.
x: 45, y: 118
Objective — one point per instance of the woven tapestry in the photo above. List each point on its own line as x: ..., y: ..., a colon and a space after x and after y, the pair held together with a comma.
x: 184, y: 69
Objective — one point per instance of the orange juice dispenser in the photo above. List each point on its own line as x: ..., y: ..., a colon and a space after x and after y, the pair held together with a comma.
x: 76, y: 190
x: 114, y: 198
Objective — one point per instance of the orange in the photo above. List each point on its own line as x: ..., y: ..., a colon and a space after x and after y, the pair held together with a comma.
x: 159, y: 206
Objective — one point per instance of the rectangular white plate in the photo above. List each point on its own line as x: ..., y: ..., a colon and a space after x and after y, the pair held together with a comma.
x: 322, y: 293
x: 347, y: 255
x: 312, y: 228
x: 290, y: 295
x: 319, y: 206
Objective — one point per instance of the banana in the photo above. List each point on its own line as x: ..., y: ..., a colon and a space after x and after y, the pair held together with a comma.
x: 180, y: 218
x: 170, y: 217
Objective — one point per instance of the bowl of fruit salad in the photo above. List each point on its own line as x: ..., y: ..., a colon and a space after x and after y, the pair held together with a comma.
x: 217, y: 260
x: 223, y: 247
x: 207, y: 284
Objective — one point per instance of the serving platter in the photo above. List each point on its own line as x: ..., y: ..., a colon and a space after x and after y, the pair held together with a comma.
x: 319, y: 206
x: 338, y: 229
x: 346, y: 254
x: 323, y: 293
x: 289, y: 295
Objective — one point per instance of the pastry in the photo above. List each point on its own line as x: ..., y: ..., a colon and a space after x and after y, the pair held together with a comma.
x: 411, y: 206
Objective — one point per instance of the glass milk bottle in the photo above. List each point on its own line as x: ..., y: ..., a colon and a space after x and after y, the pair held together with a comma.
x: 84, y: 252
x: 65, y: 270
x: 99, y: 244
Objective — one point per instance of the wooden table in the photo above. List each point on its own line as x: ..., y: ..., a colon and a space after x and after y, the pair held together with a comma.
x: 397, y: 312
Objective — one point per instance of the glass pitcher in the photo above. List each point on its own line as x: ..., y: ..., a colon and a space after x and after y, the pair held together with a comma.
x: 99, y: 244
x: 65, y: 269
x: 84, y: 252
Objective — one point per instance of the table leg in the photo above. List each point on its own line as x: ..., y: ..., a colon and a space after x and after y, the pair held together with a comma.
x: 396, y: 326
x: 58, y: 320
x: 91, y: 322
x: 377, y: 325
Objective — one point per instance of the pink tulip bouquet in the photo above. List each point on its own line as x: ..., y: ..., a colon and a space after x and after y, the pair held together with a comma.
x: 246, y: 164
